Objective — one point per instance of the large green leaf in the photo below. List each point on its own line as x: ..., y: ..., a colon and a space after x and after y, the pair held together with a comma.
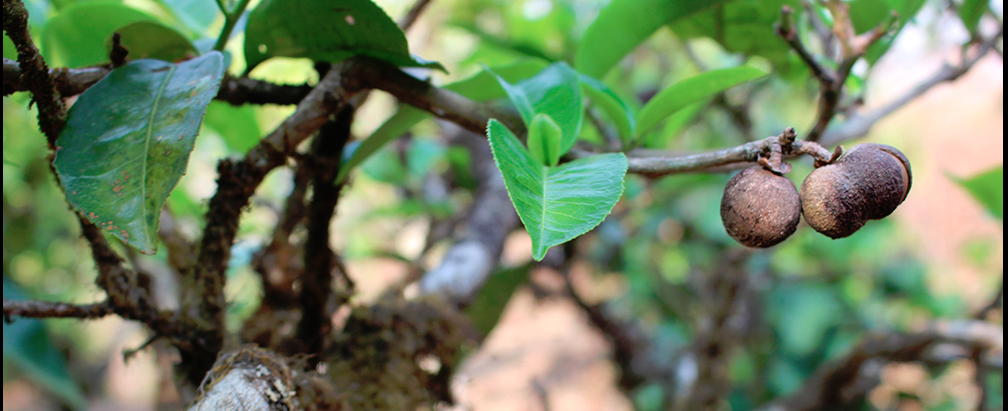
x: 79, y: 34
x: 555, y: 92
x: 482, y: 86
x: 556, y: 204
x: 197, y: 15
x: 127, y: 142
x: 324, y: 30
x: 690, y: 90
x: 27, y: 345
x: 624, y: 24
x: 988, y: 189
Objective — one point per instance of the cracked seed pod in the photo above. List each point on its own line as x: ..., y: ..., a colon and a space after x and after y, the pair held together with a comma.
x: 759, y: 208
x: 868, y: 182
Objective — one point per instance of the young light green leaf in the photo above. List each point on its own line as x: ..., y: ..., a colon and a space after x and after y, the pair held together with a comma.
x: 988, y: 189
x: 78, y: 35
x: 482, y: 86
x: 615, y: 107
x: 687, y: 91
x: 127, y: 142
x: 624, y: 24
x: 544, y: 140
x: 325, y: 31
x: 556, y: 92
x: 556, y: 204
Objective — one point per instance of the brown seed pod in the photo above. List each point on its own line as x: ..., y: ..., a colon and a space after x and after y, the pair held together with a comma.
x: 868, y: 182
x: 759, y: 208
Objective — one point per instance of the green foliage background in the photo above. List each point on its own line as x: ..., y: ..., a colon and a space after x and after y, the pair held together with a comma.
x: 815, y: 297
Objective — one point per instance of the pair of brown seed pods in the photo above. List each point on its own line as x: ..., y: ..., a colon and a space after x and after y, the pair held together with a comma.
x: 760, y: 208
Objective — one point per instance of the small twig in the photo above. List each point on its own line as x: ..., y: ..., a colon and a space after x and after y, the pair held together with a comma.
x: 664, y: 164
x: 785, y: 29
x: 128, y: 354
x: 119, y: 52
x: 995, y: 303
x: 859, y: 124
x: 230, y: 19
x: 414, y: 12
x: 47, y: 309
x: 613, y: 141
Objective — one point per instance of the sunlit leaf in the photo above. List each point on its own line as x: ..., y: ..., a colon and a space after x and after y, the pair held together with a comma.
x: 988, y: 189
x: 556, y: 92
x: 79, y: 34
x: 127, y: 142
x: 556, y: 204
x: 325, y: 31
x: 690, y: 90
x: 624, y: 24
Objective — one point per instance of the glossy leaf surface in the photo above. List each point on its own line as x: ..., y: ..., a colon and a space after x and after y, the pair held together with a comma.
x: 127, y: 142
x: 323, y: 30
x: 691, y: 90
x: 556, y: 204
x: 624, y: 24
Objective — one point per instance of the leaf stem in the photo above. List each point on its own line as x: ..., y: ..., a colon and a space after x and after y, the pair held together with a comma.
x: 230, y: 20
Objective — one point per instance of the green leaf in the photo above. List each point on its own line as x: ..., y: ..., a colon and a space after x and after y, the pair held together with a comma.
x: 482, y: 86
x: 624, y: 24
x: 690, y: 90
x: 323, y: 30
x: 127, y: 142
x: 988, y: 189
x: 615, y: 107
x: 544, y: 140
x: 867, y: 14
x: 556, y: 204
x: 79, y: 34
x: 150, y: 40
x: 236, y: 125
x: 555, y: 92
x: 197, y: 15
x: 27, y: 345
x: 488, y: 304
x: 742, y: 26
x: 971, y: 11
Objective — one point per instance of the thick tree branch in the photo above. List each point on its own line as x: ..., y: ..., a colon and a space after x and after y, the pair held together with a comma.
x: 237, y: 182
x: 319, y: 258
x: 235, y: 91
x: 48, y: 309
x: 35, y: 72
